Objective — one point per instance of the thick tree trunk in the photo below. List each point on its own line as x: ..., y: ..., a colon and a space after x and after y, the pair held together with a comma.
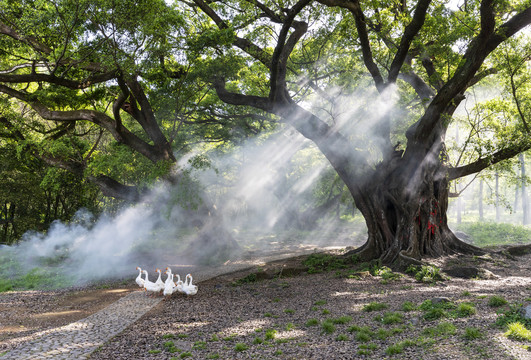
x: 405, y: 208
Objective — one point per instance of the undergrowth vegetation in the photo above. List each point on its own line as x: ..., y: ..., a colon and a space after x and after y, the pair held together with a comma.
x: 493, y: 234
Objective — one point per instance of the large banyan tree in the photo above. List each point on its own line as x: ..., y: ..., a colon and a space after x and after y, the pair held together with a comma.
x: 374, y: 84
x: 426, y: 47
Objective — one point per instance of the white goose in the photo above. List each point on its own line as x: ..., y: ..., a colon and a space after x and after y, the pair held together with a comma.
x: 169, y: 285
x: 169, y: 279
x: 178, y: 285
x: 159, y: 281
x: 188, y: 287
x: 139, y: 280
x: 150, y: 286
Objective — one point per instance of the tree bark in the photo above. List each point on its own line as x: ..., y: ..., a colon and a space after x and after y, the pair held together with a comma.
x: 405, y: 208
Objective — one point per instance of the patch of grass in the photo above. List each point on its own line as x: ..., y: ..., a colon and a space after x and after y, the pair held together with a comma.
x: 408, y: 306
x: 270, y: 334
x: 375, y: 306
x: 434, y: 314
x: 289, y: 326
x: 185, y: 355
x: 199, y: 345
x: 465, y: 293
x: 214, y: 337
x: 399, y: 347
x: 240, y: 347
x: 182, y: 336
x: 328, y: 327
x: 436, y: 311
x: 312, y: 322
x: 367, y: 349
x: 363, y: 334
x: 229, y: 338
x: 317, y: 263
x: 465, y: 309
x: 213, y: 356
x: 268, y: 314
x: 289, y: 311
x: 390, y: 318
x: 385, y: 273
x: 251, y: 278
x: 325, y: 312
x: 320, y: 302
x: 170, y: 346
x: 490, y: 233
x: 154, y: 351
x: 518, y: 331
x: 472, y: 333
x: 278, y: 353
x: 258, y: 341
x: 425, y: 273
x: 168, y: 336
x: 496, y: 301
x: 342, y: 337
x: 444, y: 328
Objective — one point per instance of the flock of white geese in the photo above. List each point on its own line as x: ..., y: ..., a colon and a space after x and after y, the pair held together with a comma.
x: 167, y: 287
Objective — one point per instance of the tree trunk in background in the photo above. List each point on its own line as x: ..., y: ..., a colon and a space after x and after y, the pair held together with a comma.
x: 498, y: 212
x: 480, y: 200
x: 525, y: 215
x: 459, y: 208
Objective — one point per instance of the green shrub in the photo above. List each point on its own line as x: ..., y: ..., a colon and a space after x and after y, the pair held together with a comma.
x: 408, y: 306
x: 390, y: 318
x: 465, y: 309
x: 240, y: 347
x: 312, y: 322
x: 342, y: 337
x: 328, y: 326
x: 398, y: 348
x: 442, y: 329
x: 374, y: 306
x: 425, y: 273
x: 251, y: 278
x: 434, y: 314
x: 199, y: 345
x: 497, y: 301
x: 518, y: 331
x: 270, y: 334
x: 472, y: 333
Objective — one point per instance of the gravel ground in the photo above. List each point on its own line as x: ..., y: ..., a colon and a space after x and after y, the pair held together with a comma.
x: 286, y: 317
x: 270, y: 319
